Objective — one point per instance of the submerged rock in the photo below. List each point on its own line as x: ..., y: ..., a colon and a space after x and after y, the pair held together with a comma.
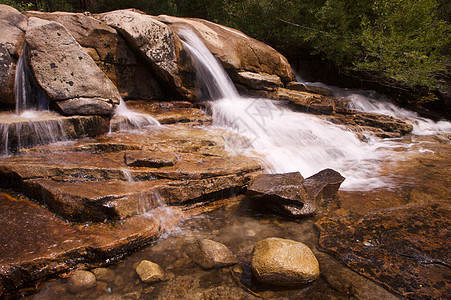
x: 283, y: 193
x: 406, y: 249
x: 149, y: 272
x: 210, y: 254
x: 103, y: 274
x: 13, y: 25
x: 66, y: 72
x: 81, y: 281
x: 284, y: 262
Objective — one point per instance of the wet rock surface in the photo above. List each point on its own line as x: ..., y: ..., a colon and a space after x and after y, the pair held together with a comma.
x: 80, y: 281
x: 405, y: 249
x: 21, y: 132
x: 284, y: 262
x: 149, y: 272
x: 210, y: 254
x: 13, y: 25
x: 291, y: 194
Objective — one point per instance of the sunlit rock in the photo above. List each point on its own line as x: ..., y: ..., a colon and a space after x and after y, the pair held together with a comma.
x: 210, y: 254
x: 108, y: 49
x: 65, y: 71
x: 235, y: 50
x: 284, y: 262
x: 159, y: 45
x: 149, y: 272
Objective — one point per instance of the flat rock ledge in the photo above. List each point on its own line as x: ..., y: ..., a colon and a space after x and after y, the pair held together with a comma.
x: 103, y: 197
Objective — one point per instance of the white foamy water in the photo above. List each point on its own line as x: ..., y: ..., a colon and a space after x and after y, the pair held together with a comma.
x: 125, y: 119
x: 373, y: 102
x: 286, y: 140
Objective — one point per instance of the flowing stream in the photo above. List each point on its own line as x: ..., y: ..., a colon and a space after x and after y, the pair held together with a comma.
x: 291, y: 141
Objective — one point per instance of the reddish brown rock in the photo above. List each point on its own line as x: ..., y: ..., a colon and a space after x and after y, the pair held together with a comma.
x: 35, y: 244
x: 283, y: 193
x: 210, y: 254
x: 323, y: 185
x: 406, y: 250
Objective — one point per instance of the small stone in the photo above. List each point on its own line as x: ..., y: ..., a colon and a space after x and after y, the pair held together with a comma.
x: 119, y: 280
x: 210, y: 254
x: 284, y: 262
x: 149, y: 272
x: 103, y: 274
x: 81, y: 281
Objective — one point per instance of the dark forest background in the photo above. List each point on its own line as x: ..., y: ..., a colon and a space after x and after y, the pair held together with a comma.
x: 402, y: 47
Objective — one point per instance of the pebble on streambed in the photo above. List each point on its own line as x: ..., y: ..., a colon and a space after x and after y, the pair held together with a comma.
x: 284, y: 262
x: 149, y: 272
x: 209, y: 254
x: 81, y: 281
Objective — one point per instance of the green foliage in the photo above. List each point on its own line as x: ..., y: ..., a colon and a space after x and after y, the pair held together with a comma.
x: 19, y: 5
x: 407, y: 42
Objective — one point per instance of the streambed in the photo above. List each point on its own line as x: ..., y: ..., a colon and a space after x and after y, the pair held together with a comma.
x: 412, y: 212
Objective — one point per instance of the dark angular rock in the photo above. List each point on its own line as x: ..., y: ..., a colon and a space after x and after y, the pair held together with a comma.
x: 283, y: 193
x: 323, y: 185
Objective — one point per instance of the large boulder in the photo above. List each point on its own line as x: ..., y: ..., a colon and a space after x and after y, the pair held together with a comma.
x: 65, y: 71
x: 235, y: 50
x: 158, y: 45
x: 284, y: 262
x: 283, y: 193
x: 131, y: 75
x: 13, y: 25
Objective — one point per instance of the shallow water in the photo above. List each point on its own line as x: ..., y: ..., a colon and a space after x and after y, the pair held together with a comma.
x: 240, y: 224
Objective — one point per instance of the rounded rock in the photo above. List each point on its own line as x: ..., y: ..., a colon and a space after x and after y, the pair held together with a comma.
x: 149, y: 272
x: 210, y: 254
x: 284, y: 262
x: 81, y: 281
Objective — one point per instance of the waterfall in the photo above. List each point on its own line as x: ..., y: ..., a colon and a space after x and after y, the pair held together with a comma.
x: 31, y: 124
x: 28, y: 96
x: 125, y: 119
x: 286, y: 140
x: 211, y: 74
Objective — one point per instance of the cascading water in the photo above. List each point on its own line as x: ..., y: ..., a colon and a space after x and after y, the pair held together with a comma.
x: 125, y: 119
x: 32, y: 124
x: 372, y: 102
x: 287, y: 140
